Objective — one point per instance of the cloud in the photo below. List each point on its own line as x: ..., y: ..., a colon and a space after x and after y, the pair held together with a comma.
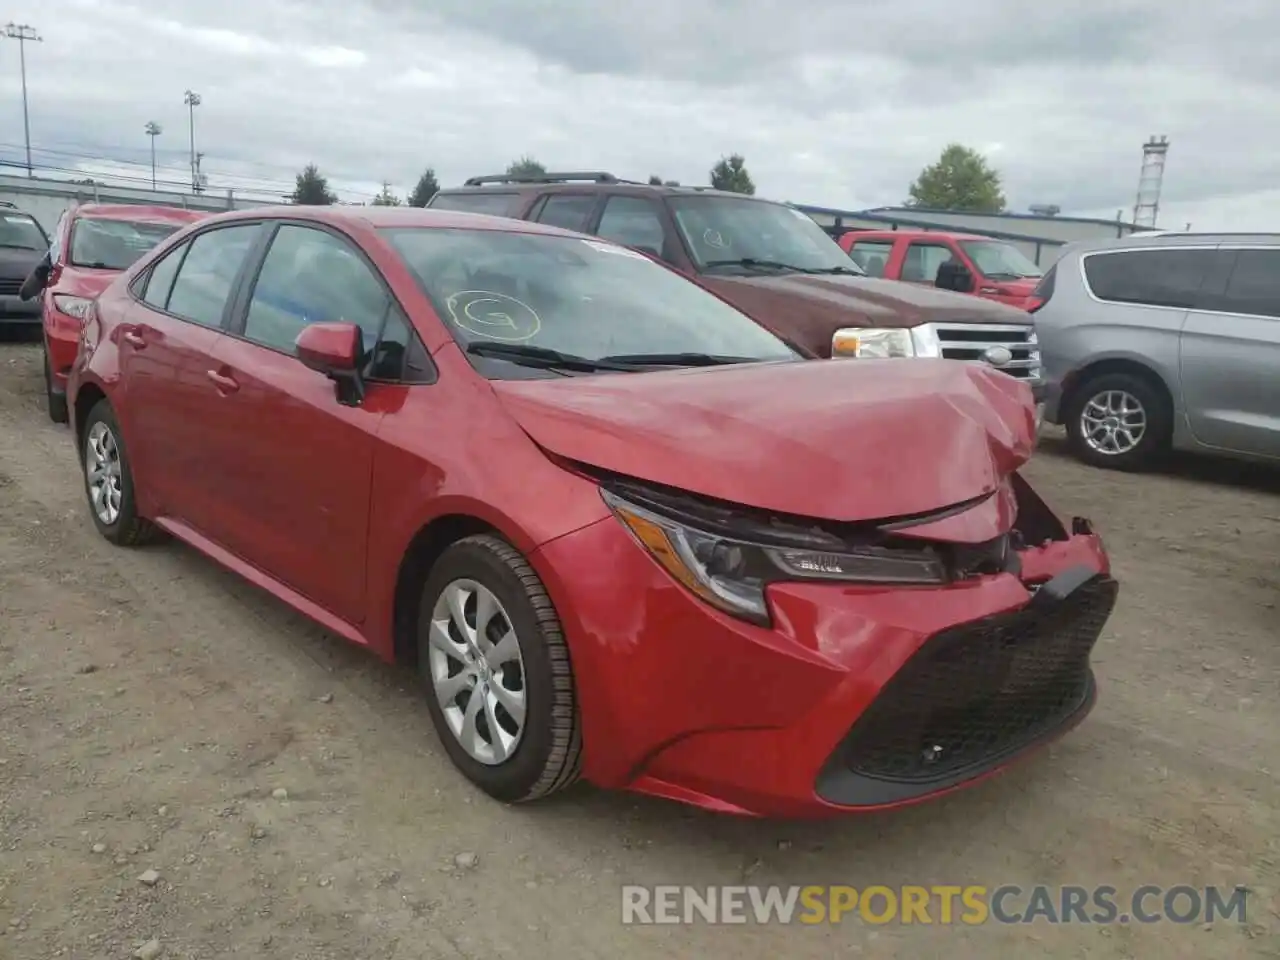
x: 833, y: 102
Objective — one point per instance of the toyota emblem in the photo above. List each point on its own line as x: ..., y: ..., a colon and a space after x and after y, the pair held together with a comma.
x: 997, y: 356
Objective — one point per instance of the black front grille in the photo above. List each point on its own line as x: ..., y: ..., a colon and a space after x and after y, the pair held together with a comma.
x: 983, y: 690
x: 10, y: 288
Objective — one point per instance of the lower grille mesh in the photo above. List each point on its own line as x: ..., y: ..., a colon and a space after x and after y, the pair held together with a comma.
x: 982, y: 690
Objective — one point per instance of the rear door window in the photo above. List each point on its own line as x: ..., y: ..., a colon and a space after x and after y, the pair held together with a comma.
x: 634, y: 222
x: 209, y: 273
x: 571, y: 211
x: 477, y: 201
x: 1158, y: 278
x: 872, y: 255
x: 923, y: 260
x: 160, y: 279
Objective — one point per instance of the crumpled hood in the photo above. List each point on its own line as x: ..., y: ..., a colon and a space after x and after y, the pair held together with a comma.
x: 841, y: 440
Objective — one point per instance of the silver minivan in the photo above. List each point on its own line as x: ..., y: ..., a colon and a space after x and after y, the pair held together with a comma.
x: 1163, y: 341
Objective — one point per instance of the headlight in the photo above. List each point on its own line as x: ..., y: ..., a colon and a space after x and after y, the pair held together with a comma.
x: 879, y: 343
x: 77, y: 307
x: 732, y: 574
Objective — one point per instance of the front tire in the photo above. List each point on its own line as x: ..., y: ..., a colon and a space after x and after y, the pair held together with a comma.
x: 1118, y: 421
x: 109, y: 481
x: 496, y: 668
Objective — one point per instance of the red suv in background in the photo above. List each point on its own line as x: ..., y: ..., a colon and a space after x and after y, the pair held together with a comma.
x: 990, y: 268
x: 91, y: 244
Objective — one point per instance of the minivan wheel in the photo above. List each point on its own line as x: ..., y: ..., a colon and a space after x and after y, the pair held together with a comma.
x: 495, y: 665
x: 108, y: 481
x: 1118, y: 421
x: 57, y: 402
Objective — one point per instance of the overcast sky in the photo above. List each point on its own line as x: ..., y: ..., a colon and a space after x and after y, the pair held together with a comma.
x: 832, y: 102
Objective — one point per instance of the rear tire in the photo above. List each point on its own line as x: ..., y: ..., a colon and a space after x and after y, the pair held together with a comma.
x: 1118, y: 421
x: 509, y: 651
x: 109, y: 481
x: 57, y: 402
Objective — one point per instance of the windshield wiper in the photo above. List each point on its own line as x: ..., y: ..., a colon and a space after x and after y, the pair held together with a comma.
x: 95, y: 265
x: 842, y: 270
x: 675, y: 359
x: 753, y: 262
x: 530, y: 356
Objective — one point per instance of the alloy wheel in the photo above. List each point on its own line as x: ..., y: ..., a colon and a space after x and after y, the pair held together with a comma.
x: 1113, y: 422
x: 102, y: 472
x: 477, y: 671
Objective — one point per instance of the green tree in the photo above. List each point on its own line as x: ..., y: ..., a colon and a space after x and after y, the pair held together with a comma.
x: 386, y: 198
x: 657, y: 181
x: 960, y: 180
x: 428, y: 186
x: 526, y: 167
x: 312, y: 188
x: 730, y: 173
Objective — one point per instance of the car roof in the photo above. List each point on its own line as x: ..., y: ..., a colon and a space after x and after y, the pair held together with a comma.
x: 581, y: 183
x: 138, y: 212
x: 1166, y: 239
x: 914, y: 234
x: 377, y: 216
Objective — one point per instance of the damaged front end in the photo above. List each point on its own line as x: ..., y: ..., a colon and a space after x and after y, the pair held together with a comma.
x: 968, y: 695
x: 729, y: 555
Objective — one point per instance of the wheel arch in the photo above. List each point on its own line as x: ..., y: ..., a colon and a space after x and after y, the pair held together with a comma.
x: 87, y: 397
x: 1117, y: 364
x: 425, y: 547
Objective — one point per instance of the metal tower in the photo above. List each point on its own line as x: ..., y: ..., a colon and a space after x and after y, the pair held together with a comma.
x: 1147, y: 207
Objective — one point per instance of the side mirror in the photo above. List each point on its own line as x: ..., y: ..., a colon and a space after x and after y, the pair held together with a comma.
x: 334, y: 349
x: 953, y: 275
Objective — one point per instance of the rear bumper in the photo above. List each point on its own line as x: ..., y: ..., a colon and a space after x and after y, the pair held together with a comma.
x: 14, y: 309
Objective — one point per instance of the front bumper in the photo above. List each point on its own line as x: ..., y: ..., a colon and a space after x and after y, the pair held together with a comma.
x: 807, y: 718
x: 13, y: 309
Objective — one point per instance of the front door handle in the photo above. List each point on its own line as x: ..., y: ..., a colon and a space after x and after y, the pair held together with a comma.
x: 224, y: 383
x: 134, y: 339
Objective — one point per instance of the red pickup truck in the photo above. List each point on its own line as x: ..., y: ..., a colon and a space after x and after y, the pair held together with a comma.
x: 990, y: 268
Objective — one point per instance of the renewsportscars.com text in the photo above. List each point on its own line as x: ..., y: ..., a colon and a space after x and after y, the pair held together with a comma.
x: 939, y: 904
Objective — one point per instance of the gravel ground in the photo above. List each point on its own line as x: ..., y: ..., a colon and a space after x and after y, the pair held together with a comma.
x: 184, y: 760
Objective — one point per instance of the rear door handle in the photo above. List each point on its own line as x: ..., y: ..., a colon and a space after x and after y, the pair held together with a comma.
x: 134, y: 339
x: 224, y: 383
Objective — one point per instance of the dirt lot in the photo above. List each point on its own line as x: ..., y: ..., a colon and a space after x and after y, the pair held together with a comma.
x: 150, y: 704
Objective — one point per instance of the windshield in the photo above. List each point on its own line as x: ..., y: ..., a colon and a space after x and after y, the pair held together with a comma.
x: 1000, y: 261
x: 22, y: 232
x: 723, y: 231
x: 579, y: 297
x: 114, y: 244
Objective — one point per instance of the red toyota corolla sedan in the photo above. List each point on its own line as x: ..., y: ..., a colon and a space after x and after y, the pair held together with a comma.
x: 624, y: 532
x: 91, y: 244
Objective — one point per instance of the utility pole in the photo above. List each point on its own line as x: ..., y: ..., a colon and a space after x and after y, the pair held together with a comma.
x: 192, y: 100
x: 153, y: 130
x: 23, y: 33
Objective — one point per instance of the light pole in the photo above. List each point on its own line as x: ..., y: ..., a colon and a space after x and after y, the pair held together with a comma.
x: 192, y: 100
x: 153, y: 130
x: 24, y: 33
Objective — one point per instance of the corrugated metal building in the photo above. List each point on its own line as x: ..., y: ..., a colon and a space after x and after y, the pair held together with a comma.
x: 1039, y: 237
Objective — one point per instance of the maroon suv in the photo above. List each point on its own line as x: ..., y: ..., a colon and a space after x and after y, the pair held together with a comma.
x: 769, y: 260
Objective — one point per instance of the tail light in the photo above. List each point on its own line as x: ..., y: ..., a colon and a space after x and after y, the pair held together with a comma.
x: 1043, y: 291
